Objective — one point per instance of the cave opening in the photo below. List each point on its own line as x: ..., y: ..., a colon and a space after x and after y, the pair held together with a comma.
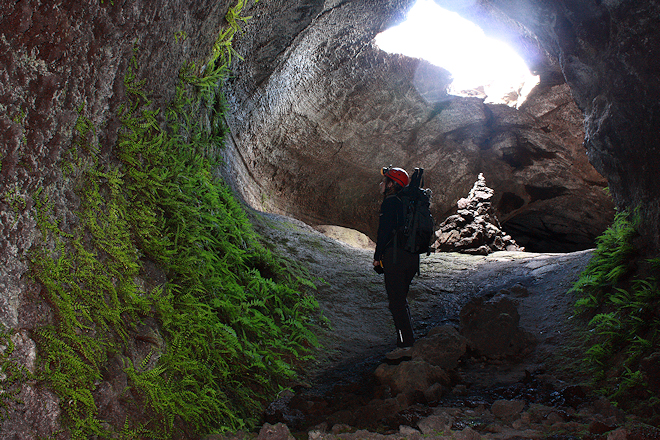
x: 480, y: 65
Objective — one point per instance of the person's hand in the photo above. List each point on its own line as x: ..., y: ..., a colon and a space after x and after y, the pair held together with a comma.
x: 378, y: 267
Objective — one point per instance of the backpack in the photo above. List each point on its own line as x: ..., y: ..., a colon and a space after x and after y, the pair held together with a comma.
x: 418, y: 228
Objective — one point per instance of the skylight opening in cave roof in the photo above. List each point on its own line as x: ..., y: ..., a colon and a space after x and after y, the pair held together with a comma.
x: 480, y: 65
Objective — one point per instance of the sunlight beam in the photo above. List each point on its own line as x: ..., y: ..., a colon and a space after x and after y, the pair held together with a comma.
x: 475, y: 61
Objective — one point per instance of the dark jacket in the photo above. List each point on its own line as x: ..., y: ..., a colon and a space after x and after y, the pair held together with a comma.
x: 392, y: 217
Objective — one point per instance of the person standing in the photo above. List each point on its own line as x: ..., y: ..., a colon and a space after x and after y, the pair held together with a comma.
x: 398, y: 265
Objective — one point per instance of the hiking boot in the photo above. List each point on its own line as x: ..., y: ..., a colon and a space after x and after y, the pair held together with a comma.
x: 399, y: 353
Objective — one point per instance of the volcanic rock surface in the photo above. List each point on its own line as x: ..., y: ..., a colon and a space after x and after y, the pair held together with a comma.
x: 474, y: 229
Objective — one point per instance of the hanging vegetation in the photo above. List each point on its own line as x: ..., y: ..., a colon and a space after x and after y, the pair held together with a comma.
x: 622, y: 327
x: 231, y: 322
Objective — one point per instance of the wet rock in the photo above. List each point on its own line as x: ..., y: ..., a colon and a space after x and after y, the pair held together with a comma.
x: 491, y: 327
x: 507, y: 409
x: 474, y: 229
x: 443, y: 347
x: 411, y: 378
x: 278, y: 431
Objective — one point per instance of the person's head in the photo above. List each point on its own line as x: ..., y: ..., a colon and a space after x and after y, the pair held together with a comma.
x: 394, y: 180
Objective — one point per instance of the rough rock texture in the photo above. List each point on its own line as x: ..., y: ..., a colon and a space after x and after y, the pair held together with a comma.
x: 411, y: 377
x: 474, y: 229
x: 317, y: 111
x: 59, y: 59
x: 443, y: 346
x: 491, y: 327
x: 536, y: 283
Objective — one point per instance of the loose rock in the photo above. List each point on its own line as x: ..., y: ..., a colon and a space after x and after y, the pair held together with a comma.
x: 443, y: 347
x: 491, y: 326
x: 411, y: 378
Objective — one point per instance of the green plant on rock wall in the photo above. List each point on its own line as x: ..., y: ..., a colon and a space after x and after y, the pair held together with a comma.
x: 620, y: 311
x: 12, y: 373
x: 233, y: 319
x: 15, y: 201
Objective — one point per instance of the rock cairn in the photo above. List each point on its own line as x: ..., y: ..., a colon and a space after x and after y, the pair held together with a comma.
x: 474, y: 229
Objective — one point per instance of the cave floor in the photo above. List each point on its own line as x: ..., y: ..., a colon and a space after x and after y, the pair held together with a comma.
x: 352, y: 297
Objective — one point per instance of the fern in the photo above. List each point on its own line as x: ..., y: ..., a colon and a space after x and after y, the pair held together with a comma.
x: 621, y: 329
x: 13, y: 373
x: 233, y: 319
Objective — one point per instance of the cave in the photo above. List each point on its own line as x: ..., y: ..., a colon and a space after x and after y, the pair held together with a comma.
x: 366, y: 107
x: 338, y: 103
x: 314, y: 110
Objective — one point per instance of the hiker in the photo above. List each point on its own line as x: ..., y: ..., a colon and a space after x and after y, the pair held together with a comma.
x: 398, y: 265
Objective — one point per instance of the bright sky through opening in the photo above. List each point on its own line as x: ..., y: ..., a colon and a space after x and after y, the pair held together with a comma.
x: 447, y: 40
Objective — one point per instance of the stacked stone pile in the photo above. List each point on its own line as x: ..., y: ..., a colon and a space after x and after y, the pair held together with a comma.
x: 474, y: 229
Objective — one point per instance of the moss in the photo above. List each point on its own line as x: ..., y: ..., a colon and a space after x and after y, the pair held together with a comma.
x: 234, y: 318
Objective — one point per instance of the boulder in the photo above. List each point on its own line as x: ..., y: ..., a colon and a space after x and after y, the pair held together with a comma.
x: 442, y: 347
x: 491, y: 327
x: 412, y: 377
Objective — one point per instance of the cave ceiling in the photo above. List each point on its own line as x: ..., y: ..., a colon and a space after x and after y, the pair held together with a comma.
x: 317, y: 108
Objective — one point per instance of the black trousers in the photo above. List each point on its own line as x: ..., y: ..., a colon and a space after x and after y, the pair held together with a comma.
x: 400, y: 267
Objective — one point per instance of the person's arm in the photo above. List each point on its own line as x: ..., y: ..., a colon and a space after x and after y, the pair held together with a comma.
x: 386, y: 225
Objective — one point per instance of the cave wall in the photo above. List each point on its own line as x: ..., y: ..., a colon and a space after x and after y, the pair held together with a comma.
x: 609, y: 59
x: 59, y: 60
x: 311, y: 133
